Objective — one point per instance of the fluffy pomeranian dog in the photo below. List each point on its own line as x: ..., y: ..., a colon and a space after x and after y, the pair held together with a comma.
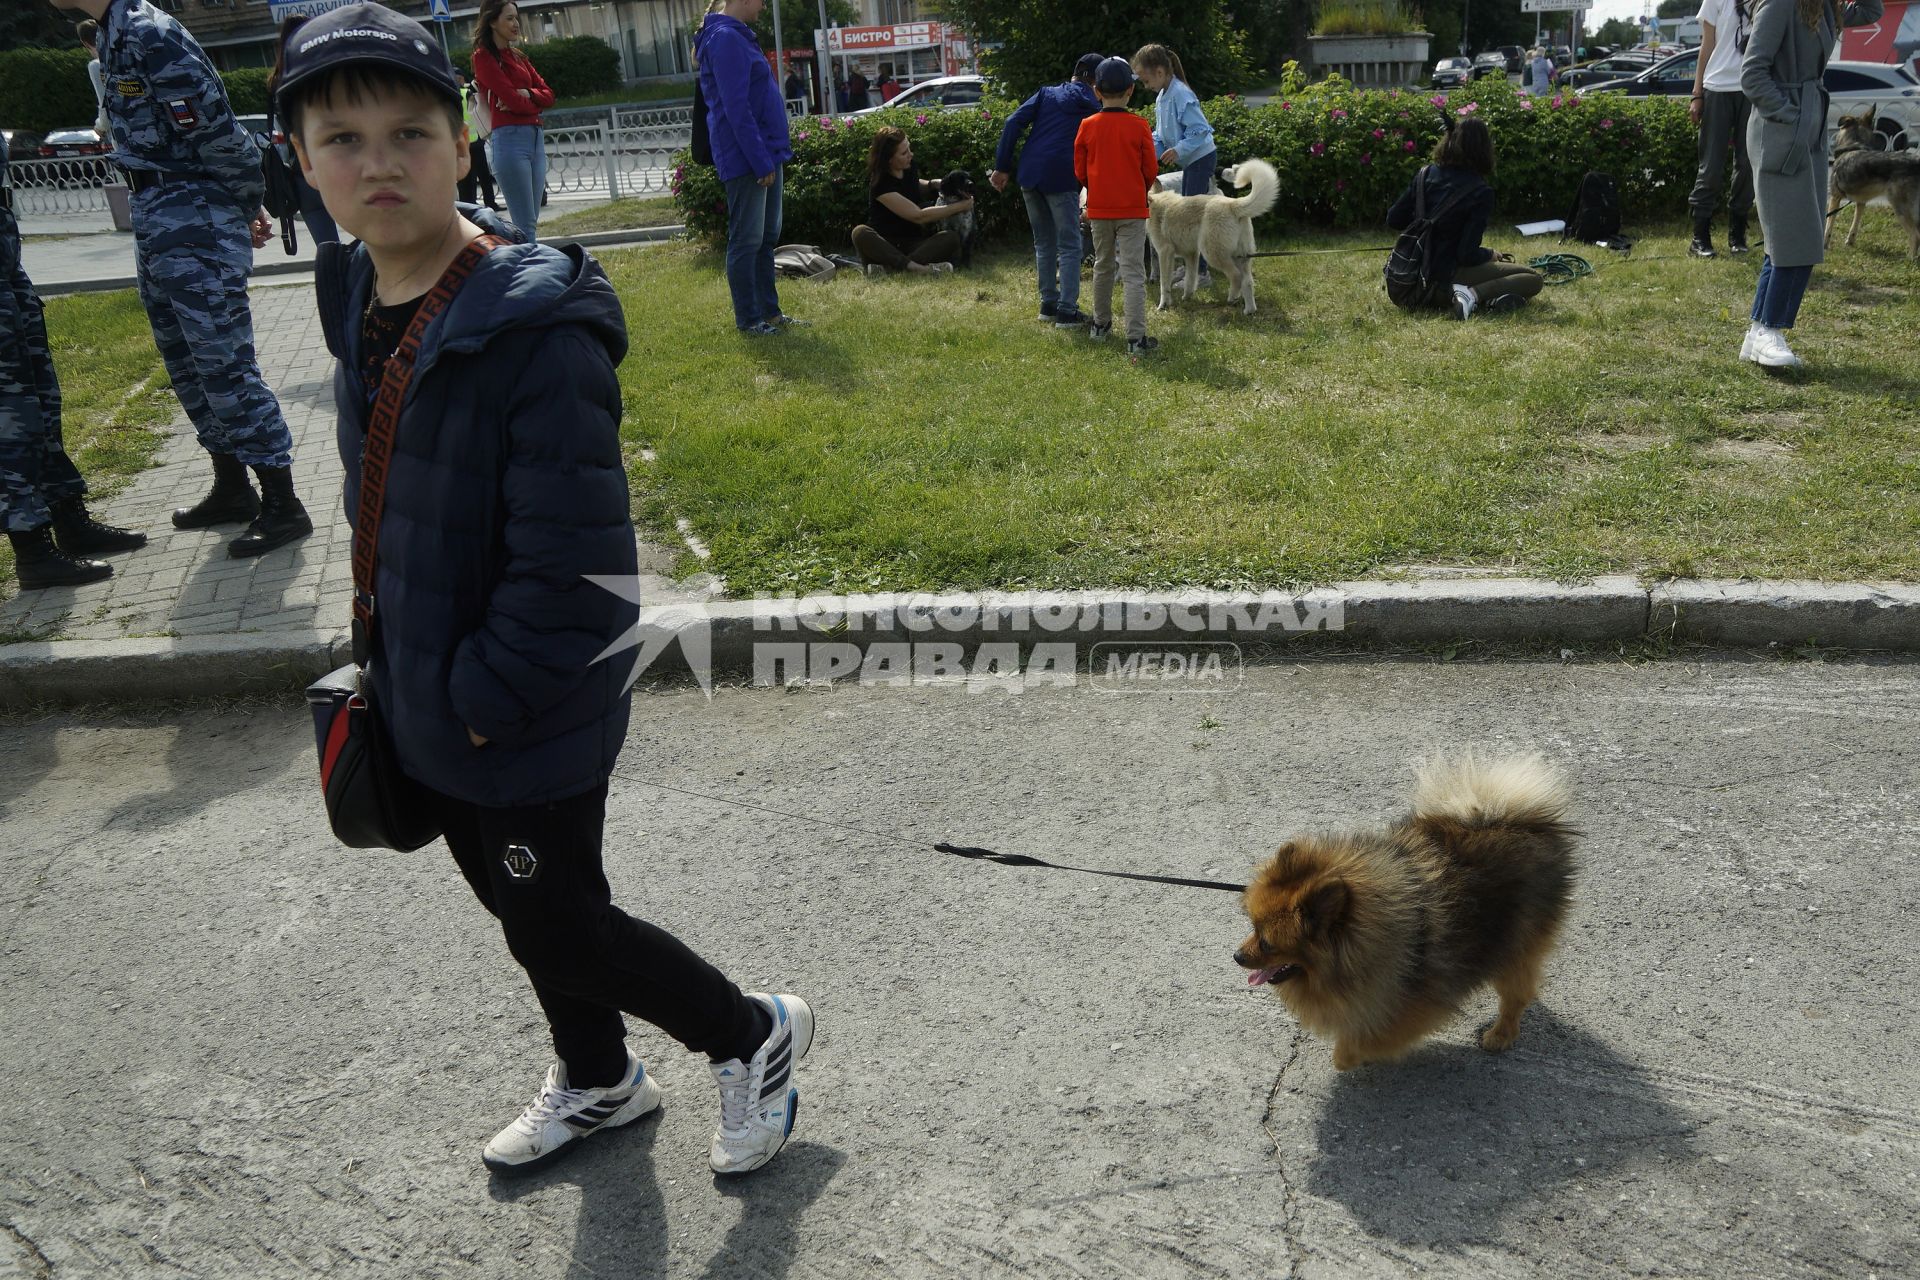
x: 1375, y: 939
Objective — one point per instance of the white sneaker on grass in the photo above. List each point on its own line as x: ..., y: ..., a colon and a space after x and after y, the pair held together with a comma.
x: 558, y: 1115
x: 1770, y: 349
x: 759, y: 1098
x: 1746, y: 343
x: 1464, y: 300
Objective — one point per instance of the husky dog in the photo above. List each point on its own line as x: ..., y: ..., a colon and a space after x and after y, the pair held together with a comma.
x: 954, y: 188
x: 1217, y: 228
x: 1864, y: 175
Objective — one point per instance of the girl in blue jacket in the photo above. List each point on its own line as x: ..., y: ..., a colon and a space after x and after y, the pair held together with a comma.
x: 1181, y: 133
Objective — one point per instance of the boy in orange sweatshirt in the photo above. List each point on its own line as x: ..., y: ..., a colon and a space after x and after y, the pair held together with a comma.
x: 1114, y: 158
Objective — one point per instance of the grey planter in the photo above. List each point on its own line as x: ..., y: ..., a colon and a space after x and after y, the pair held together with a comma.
x: 1387, y: 61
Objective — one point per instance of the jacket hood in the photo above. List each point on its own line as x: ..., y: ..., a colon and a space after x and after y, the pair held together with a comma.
x: 715, y: 24
x: 517, y: 286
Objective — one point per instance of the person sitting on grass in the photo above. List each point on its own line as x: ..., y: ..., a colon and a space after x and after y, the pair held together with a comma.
x: 895, y: 236
x: 1480, y: 278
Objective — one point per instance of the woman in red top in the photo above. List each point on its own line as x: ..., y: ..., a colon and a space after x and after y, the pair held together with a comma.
x: 515, y: 94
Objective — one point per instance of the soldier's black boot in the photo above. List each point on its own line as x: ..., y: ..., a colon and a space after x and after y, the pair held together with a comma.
x: 79, y: 534
x: 1702, y: 246
x: 37, y: 562
x: 281, y: 520
x: 230, y: 501
x: 1736, y: 235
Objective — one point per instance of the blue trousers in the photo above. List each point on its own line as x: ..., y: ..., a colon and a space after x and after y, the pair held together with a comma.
x: 1055, y: 218
x: 517, y: 153
x: 35, y: 470
x: 753, y: 229
x: 193, y: 252
x: 1196, y: 179
x: 1776, y: 299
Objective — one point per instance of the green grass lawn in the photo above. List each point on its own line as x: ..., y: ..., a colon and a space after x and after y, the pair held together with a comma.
x: 615, y: 215
x: 116, y: 397
x: 928, y: 432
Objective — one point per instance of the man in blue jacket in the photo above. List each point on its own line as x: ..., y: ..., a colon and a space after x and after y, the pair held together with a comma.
x: 747, y: 126
x: 1052, y: 193
x: 504, y: 493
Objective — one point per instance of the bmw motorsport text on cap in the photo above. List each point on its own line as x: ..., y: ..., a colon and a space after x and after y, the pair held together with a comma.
x: 367, y: 33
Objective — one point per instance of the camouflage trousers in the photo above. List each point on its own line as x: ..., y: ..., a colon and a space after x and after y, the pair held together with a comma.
x: 35, y: 470
x: 194, y: 253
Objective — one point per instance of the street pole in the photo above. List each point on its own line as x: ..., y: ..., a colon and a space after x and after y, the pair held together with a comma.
x: 779, y: 53
x: 823, y: 72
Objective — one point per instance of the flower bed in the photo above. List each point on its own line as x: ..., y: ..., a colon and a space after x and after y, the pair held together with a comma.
x: 1343, y: 155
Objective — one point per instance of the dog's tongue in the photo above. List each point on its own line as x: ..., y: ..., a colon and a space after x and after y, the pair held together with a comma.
x: 1262, y: 976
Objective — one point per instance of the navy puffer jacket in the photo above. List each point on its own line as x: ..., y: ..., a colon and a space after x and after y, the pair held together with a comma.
x: 506, y: 489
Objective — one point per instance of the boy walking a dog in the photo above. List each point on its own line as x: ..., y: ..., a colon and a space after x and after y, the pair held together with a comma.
x: 484, y: 366
x: 1114, y: 159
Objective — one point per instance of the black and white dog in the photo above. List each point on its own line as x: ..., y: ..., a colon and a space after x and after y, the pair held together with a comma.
x: 954, y: 188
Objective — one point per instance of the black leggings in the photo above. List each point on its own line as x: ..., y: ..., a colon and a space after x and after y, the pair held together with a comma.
x: 537, y: 869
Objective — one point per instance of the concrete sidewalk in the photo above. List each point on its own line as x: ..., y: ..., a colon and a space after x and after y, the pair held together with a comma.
x: 237, y: 1051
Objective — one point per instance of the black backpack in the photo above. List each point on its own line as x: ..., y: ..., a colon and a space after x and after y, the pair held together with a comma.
x: 702, y: 147
x: 1595, y: 217
x: 282, y: 198
x: 1409, y: 270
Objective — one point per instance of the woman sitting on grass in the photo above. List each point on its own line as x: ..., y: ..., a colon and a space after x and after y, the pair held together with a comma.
x: 1481, y: 278
x: 895, y: 236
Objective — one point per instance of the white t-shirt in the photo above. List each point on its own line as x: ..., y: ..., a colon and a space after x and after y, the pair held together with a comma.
x: 1729, y: 33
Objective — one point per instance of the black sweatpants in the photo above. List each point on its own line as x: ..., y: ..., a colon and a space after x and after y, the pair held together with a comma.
x: 537, y: 869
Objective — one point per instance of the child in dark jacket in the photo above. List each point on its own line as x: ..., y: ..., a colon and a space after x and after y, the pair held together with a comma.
x: 504, y: 494
x: 1113, y: 157
x: 1467, y: 275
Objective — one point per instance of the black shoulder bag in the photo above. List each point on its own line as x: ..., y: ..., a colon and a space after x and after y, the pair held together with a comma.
x: 371, y: 804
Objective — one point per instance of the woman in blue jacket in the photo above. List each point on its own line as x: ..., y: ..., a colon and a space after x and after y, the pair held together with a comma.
x: 747, y: 128
x: 1050, y: 119
x: 1180, y: 129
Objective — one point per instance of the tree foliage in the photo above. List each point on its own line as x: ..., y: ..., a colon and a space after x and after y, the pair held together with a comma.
x: 1028, y: 43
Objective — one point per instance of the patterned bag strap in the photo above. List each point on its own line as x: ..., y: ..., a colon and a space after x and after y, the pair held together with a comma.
x: 382, y: 426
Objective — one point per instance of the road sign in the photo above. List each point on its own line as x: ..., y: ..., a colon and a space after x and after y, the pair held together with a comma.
x: 441, y: 11
x: 283, y: 9
x: 1553, y: 6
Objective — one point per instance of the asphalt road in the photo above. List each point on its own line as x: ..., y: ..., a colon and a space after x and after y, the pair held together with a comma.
x: 233, y: 1049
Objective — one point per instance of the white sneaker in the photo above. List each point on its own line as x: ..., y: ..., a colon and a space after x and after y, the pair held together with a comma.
x: 1771, y: 351
x: 759, y: 1099
x: 559, y: 1114
x: 1464, y: 299
x: 1746, y: 343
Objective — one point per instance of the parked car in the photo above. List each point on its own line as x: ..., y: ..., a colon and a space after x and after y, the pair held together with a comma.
x: 1491, y: 63
x: 1560, y: 55
x: 1669, y: 78
x: 1516, y: 58
x: 1604, y: 70
x: 941, y: 94
x: 63, y: 144
x: 1893, y: 91
x: 1451, y: 73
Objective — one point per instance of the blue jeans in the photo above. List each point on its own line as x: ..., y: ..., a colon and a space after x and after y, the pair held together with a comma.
x: 517, y: 154
x: 1196, y: 179
x: 753, y: 229
x: 1055, y: 217
x: 1776, y: 299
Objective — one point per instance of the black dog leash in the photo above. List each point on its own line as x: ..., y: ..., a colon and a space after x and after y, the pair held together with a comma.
x: 1023, y: 860
x: 1301, y: 253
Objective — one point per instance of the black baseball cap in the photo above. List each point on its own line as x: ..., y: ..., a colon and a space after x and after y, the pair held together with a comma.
x: 1088, y: 66
x: 360, y: 33
x: 1115, y: 76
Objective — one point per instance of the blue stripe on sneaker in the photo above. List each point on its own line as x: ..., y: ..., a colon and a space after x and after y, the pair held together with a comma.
x: 793, y: 1110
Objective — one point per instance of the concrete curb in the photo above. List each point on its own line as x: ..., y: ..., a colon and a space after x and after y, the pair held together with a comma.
x: 801, y: 636
x: 586, y: 240
x: 166, y: 669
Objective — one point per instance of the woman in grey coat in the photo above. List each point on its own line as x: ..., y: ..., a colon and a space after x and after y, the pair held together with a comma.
x: 1786, y: 55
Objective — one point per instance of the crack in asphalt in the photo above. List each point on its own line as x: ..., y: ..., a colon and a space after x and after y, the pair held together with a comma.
x: 1290, y: 1198
x: 38, y: 1268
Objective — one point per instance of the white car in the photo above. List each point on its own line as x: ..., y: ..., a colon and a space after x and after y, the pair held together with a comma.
x: 941, y: 94
x: 1892, y: 90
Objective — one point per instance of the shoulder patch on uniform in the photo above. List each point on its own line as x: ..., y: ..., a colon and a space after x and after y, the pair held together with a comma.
x: 185, y: 116
x: 129, y: 87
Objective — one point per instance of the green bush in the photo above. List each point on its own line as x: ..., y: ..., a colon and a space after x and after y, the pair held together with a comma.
x: 45, y: 89
x: 1343, y: 156
x: 576, y: 65
x: 247, y: 89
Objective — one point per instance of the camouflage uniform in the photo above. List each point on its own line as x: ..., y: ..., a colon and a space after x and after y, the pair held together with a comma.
x: 170, y: 116
x: 34, y: 468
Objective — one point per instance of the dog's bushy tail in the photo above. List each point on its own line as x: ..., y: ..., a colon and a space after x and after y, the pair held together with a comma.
x: 1265, y: 184
x: 1523, y: 790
